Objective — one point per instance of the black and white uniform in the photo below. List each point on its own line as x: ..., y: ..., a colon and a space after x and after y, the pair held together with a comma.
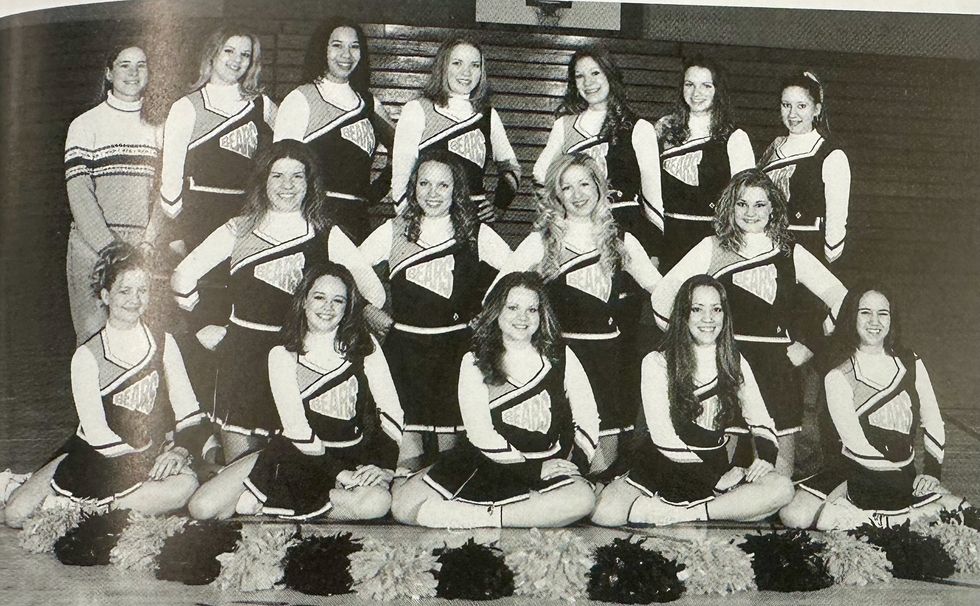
x: 876, y: 425
x: 264, y: 275
x: 760, y: 282
x: 436, y: 285
x: 334, y: 419
x: 513, y: 428
x: 337, y: 123
x: 683, y: 464
x: 124, y: 419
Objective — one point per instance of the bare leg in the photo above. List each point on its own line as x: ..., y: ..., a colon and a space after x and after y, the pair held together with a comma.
x: 605, y: 454
x: 803, y: 510
x: 614, y: 502
x: 552, y: 509
x: 158, y: 497
x: 745, y: 503
x: 359, y: 503
x: 27, y: 497
x: 407, y: 497
x: 410, y: 451
x: 216, y: 499
x: 447, y: 441
x: 236, y: 444
x: 786, y: 460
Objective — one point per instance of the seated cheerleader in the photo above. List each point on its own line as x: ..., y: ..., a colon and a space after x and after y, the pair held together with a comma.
x: 531, y: 425
x: 121, y: 456
x: 877, y: 392
x: 691, y: 394
x: 340, y: 416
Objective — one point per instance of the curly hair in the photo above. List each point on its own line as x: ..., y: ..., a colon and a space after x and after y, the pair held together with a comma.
x: 678, y: 348
x: 674, y: 129
x: 115, y: 260
x: 257, y: 202
x: 552, y: 223
x: 620, y: 118
x: 808, y: 81
x: 249, y: 84
x: 488, y: 342
x: 436, y: 88
x: 353, y: 340
x: 315, y: 63
x: 777, y: 229
x: 845, y: 340
x: 462, y: 212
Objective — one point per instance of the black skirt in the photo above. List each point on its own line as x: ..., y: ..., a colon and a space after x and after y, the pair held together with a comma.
x: 85, y: 473
x: 678, y: 483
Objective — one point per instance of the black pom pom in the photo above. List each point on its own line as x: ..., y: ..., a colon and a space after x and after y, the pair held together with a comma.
x: 321, y: 565
x: 789, y: 561
x: 89, y: 543
x: 628, y: 573
x: 913, y: 555
x: 190, y: 556
x: 473, y: 572
x: 969, y: 516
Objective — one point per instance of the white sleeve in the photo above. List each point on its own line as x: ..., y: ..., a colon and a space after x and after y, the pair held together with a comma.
x: 551, y: 150
x: 408, y: 135
x: 527, y: 256
x: 696, y: 261
x: 656, y: 411
x: 931, y: 419
x: 493, y: 250
x: 837, y: 192
x: 293, y: 117
x: 640, y: 266
x: 270, y: 110
x: 383, y: 390
x: 474, y: 406
x: 377, y: 246
x: 177, y: 133
x: 187, y: 410
x: 88, y: 404
x: 289, y: 403
x: 502, y: 150
x: 581, y: 398
x: 810, y: 272
x: 740, y: 154
x: 840, y: 403
x: 342, y: 250
x: 648, y: 157
x: 209, y: 254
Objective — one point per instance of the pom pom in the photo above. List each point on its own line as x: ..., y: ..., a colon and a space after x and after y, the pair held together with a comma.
x: 382, y: 572
x: 190, y: 556
x: 913, y: 555
x: 711, y: 566
x: 627, y: 572
x: 473, y: 572
x: 855, y: 561
x: 788, y: 561
x: 256, y: 563
x: 969, y: 516
x: 550, y: 565
x: 48, y: 524
x: 89, y: 543
x: 141, y: 541
x: 961, y: 543
x: 320, y: 565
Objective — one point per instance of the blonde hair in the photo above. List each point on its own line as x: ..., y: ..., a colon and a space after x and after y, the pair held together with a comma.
x: 249, y: 84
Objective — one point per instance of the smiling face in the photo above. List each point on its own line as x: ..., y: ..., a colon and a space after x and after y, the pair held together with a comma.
x: 874, y: 319
x: 286, y: 185
x: 232, y: 61
x: 520, y: 318
x: 699, y: 89
x: 752, y: 210
x: 707, y: 315
x: 343, y: 54
x: 325, y: 304
x: 464, y: 70
x: 798, y: 110
x: 591, y: 82
x: 129, y: 74
x: 434, y: 189
x: 128, y: 297
x: 578, y: 191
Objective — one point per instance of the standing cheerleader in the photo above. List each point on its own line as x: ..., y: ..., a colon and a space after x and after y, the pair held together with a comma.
x: 110, y: 167
x: 441, y: 260
x: 691, y: 393
x: 582, y: 255
x: 335, y: 114
x: 121, y: 455
x: 283, y: 228
x: 701, y: 150
x: 754, y: 257
x: 454, y: 114
x: 340, y: 417
x: 877, y: 394
x: 531, y: 425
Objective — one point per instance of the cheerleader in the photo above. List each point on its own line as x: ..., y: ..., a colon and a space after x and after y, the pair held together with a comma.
x: 282, y: 230
x: 691, y: 392
x: 121, y: 456
x: 754, y: 257
x: 582, y: 255
x: 110, y: 167
x: 454, y: 114
x: 335, y: 114
x: 440, y: 262
x: 701, y: 150
x: 531, y: 425
x: 877, y: 392
x: 340, y: 416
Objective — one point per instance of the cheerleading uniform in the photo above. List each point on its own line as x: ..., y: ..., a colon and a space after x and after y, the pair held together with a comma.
x: 263, y: 277
x: 760, y: 281
x: 684, y: 463
x: 110, y: 167
x: 584, y: 296
x: 473, y: 137
x: 336, y: 123
x: 334, y: 418
x: 876, y: 424
x: 513, y: 428
x: 123, y: 422
x: 436, y: 285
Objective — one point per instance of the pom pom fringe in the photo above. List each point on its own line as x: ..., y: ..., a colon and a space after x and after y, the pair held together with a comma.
x: 47, y: 525
x: 382, y: 572
x: 190, y: 556
x: 913, y: 555
x: 855, y: 561
x: 256, y: 563
x: 320, y: 565
x: 550, y: 565
x: 141, y: 541
x: 628, y: 573
x: 961, y: 543
x: 473, y: 572
x: 89, y: 543
x: 712, y: 567
x: 789, y: 561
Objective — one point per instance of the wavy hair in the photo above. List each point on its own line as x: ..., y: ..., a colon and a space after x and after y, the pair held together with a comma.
x: 845, y: 340
x: 678, y: 348
x: 353, y: 340
x: 488, y: 341
x: 808, y: 81
x: 115, y: 260
x: 674, y: 129
x: 436, y: 88
x: 315, y: 63
x: 249, y: 84
x: 552, y: 223
x: 729, y: 234
x: 461, y: 212
x: 620, y: 118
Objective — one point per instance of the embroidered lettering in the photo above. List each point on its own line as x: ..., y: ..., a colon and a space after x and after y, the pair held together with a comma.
x: 708, y: 413
x: 760, y: 281
x: 284, y: 273
x: 684, y: 167
x: 340, y: 402
x: 598, y: 153
x: 244, y: 140
x: 592, y: 280
x: 140, y: 396
x: 360, y: 134
x: 894, y: 416
x: 435, y: 275
x: 781, y: 177
x: 470, y: 145
x: 531, y: 415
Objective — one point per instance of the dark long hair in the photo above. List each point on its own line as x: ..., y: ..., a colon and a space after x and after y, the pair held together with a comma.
x: 488, y: 341
x: 729, y: 233
x: 462, y: 212
x: 436, y: 88
x: 808, y: 81
x: 315, y: 64
x: 682, y: 365
x: 353, y: 340
x: 673, y: 129
x: 620, y: 118
x: 845, y: 340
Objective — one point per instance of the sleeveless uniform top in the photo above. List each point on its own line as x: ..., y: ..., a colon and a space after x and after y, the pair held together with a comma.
x: 583, y: 294
x: 468, y: 139
x: 344, y: 134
